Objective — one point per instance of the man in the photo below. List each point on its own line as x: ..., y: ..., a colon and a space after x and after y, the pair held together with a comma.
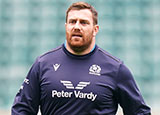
x: 79, y: 78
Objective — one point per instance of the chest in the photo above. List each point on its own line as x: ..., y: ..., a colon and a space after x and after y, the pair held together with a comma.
x: 78, y: 80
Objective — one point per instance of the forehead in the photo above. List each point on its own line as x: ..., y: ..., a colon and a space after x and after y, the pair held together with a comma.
x: 80, y: 14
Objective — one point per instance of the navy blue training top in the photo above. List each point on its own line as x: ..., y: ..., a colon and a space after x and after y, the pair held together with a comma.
x: 61, y: 83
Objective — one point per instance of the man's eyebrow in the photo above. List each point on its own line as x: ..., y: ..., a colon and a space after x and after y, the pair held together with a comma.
x: 72, y: 19
x: 81, y: 20
x: 84, y: 20
x: 77, y: 19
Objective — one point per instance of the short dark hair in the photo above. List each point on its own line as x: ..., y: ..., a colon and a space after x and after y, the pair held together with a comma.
x: 83, y: 5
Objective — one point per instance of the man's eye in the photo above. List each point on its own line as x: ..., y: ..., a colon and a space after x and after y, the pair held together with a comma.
x: 72, y: 21
x: 83, y: 22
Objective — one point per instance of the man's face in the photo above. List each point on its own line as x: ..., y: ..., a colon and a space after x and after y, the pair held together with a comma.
x: 80, y: 29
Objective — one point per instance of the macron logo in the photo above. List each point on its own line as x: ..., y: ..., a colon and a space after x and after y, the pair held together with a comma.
x: 69, y: 85
x: 56, y: 66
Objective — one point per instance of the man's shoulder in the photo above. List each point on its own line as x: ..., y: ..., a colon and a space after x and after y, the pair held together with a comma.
x: 51, y: 54
x: 109, y: 56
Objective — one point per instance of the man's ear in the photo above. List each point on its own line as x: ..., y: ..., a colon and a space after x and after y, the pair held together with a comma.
x: 65, y: 25
x: 96, y: 30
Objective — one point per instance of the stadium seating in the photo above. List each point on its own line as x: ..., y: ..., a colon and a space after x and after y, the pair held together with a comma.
x: 128, y: 29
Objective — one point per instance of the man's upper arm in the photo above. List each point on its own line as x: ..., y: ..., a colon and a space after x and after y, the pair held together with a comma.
x: 128, y: 94
x: 27, y: 99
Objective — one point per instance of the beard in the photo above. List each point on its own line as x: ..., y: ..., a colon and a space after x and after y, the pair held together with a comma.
x: 79, y: 48
x: 84, y: 43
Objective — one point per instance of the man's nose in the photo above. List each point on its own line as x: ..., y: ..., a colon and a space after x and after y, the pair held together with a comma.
x: 77, y: 25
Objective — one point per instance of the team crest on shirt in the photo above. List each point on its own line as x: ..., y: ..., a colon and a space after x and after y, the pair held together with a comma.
x: 95, y: 70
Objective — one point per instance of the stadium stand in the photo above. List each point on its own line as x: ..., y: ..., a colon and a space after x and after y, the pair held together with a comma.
x: 129, y: 29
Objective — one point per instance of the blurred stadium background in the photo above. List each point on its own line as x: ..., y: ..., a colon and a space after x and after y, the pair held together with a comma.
x: 129, y: 29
